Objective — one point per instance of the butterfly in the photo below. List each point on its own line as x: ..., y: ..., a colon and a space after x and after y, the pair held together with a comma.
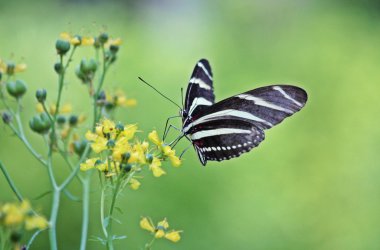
x: 234, y: 126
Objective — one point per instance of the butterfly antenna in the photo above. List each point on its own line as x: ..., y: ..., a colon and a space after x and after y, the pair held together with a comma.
x: 167, y: 98
x: 183, y: 104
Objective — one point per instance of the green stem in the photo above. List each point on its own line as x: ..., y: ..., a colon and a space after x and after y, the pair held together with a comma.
x: 110, y: 215
x: 53, y: 220
x: 75, y: 170
x: 99, y: 88
x: 86, y: 212
x: 148, y: 246
x: 69, y: 163
x: 10, y: 182
x: 34, y: 236
x: 102, y: 213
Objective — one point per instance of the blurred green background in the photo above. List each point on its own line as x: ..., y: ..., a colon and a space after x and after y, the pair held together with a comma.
x: 312, y: 184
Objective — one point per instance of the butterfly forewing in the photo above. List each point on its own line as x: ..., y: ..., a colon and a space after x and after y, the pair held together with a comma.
x: 200, y: 92
x: 235, y: 125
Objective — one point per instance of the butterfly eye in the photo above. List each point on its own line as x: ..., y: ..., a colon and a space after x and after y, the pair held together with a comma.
x: 183, y: 113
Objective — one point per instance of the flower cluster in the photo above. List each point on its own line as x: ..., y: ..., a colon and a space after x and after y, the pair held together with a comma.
x: 119, y: 151
x: 161, y: 230
x: 16, y: 215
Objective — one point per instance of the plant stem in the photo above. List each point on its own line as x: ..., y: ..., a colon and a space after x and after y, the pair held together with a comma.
x: 33, y: 238
x: 86, y: 212
x: 75, y: 170
x: 53, y: 220
x: 110, y: 215
x: 10, y: 182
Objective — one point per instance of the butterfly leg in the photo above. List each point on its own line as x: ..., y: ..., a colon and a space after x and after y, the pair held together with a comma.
x: 166, y: 130
x: 175, y: 141
x: 185, y: 150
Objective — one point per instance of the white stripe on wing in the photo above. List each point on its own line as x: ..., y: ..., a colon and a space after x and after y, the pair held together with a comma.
x: 261, y: 102
x: 225, y: 114
x: 279, y: 89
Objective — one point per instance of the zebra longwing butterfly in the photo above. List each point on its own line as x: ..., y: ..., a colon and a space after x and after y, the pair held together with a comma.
x: 226, y: 129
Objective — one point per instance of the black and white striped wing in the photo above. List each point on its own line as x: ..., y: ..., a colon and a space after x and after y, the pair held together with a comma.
x: 235, y: 125
x: 200, y: 92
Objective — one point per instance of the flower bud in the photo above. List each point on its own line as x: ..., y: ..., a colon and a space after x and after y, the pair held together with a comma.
x: 41, y: 95
x: 119, y: 127
x: 73, y: 120
x: 7, y: 117
x: 16, y: 89
x: 101, y: 98
x: 11, y: 68
x: 16, y: 236
x: 114, y: 49
x: 61, y: 119
x: 149, y: 158
x: 80, y: 75
x: 88, y: 66
x: 62, y: 47
x: 103, y: 38
x: 125, y: 157
x: 96, y: 43
x: 109, y: 106
x: 79, y: 146
x: 58, y: 67
x: 111, y: 143
x: 126, y: 167
x: 40, y: 123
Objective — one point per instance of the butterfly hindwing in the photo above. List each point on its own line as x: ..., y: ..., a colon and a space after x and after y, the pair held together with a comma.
x: 217, y: 141
x: 200, y: 91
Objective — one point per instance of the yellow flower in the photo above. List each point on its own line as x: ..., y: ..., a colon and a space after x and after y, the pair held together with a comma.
x: 129, y: 131
x: 170, y: 153
x: 89, y: 164
x: 77, y: 40
x: 173, y: 236
x: 153, y: 137
x: 159, y: 234
x: 108, y: 126
x: 87, y: 41
x: 155, y: 167
x: 13, y: 214
x: 116, y: 41
x: 146, y: 224
x: 145, y: 146
x: 121, y: 147
x: 176, y: 162
x: 11, y: 68
x: 134, y: 184
x: 91, y: 136
x: 99, y: 145
x: 39, y: 108
x: 164, y: 224
x: 65, y: 109
x: 35, y: 221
